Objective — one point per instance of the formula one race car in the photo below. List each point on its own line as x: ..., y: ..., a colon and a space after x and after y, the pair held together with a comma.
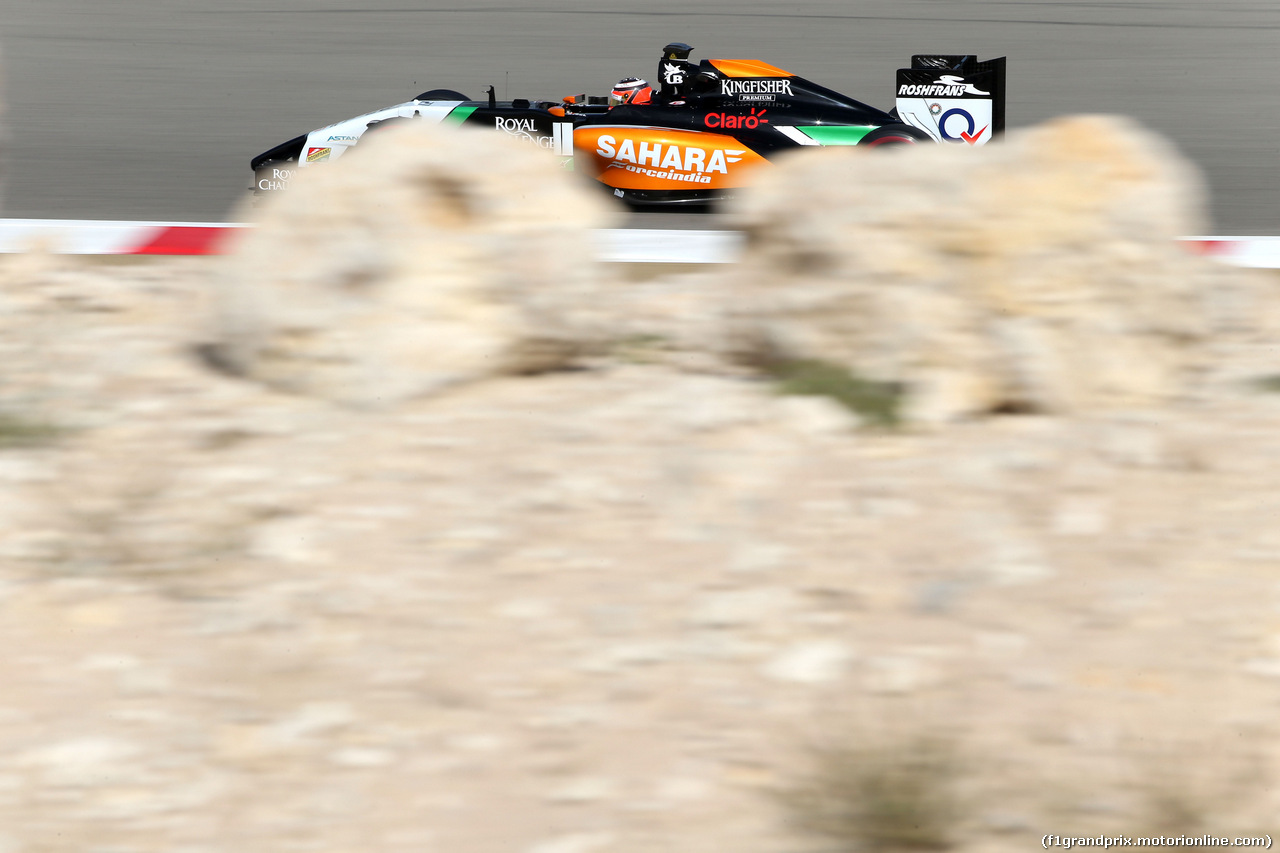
x: 697, y: 137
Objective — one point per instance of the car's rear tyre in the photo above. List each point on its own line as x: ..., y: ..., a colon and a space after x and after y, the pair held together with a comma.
x: 442, y: 95
x: 893, y: 135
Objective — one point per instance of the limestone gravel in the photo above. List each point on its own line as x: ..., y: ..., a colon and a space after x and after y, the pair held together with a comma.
x: 611, y: 608
x: 560, y: 610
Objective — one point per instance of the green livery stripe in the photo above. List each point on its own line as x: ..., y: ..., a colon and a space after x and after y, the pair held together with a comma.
x: 459, y: 114
x: 836, y: 134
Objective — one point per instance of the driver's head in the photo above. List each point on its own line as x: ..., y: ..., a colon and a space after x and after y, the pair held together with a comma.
x: 630, y: 90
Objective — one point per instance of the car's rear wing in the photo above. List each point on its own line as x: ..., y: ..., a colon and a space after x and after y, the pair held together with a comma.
x: 953, y: 98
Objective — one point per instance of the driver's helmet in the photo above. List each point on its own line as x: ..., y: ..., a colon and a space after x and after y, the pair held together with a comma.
x: 630, y: 90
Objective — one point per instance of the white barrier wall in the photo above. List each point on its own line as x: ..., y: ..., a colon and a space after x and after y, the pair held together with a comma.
x: 623, y: 246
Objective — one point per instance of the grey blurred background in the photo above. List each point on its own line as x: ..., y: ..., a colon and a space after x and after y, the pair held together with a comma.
x: 151, y: 109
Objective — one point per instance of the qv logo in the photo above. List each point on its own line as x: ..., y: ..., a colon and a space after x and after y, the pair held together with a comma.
x: 967, y: 135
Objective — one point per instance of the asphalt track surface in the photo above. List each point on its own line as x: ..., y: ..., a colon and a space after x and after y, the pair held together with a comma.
x: 151, y: 109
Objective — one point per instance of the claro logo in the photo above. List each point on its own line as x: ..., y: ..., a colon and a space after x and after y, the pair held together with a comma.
x: 673, y: 162
x: 727, y: 120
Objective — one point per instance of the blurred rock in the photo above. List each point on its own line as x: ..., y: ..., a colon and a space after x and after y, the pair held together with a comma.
x: 1038, y: 274
x: 74, y: 333
x: 426, y: 258
x: 810, y: 663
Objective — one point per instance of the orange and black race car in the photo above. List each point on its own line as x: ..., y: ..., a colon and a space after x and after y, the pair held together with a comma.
x: 695, y: 137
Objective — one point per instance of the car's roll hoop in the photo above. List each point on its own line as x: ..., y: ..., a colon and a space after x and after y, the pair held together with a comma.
x: 674, y: 71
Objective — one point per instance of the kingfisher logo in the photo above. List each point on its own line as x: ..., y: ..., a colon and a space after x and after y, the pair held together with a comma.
x: 733, y: 122
x: 318, y: 155
x: 755, y: 87
x: 685, y: 163
x: 946, y: 86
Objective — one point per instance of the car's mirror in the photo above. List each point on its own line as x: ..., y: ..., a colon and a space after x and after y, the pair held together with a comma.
x: 703, y: 83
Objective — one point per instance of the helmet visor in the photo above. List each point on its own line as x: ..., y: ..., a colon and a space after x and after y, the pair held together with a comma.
x: 625, y: 91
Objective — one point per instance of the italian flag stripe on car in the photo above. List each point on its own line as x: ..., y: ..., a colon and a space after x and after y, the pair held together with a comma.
x: 459, y: 114
x: 836, y: 134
